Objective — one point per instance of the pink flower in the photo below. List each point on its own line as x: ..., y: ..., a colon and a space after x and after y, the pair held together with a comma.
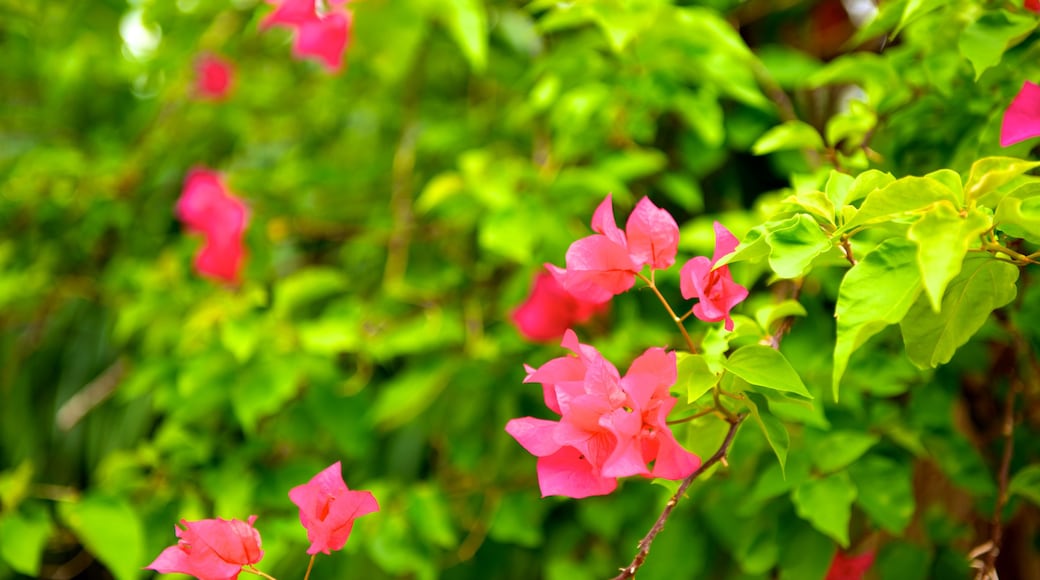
x: 207, y: 207
x: 846, y: 567
x: 213, y: 77
x: 328, y: 509
x: 1033, y: 5
x: 714, y: 288
x: 212, y: 549
x: 605, y: 264
x: 1022, y: 117
x: 324, y: 36
x: 610, y: 426
x: 550, y: 310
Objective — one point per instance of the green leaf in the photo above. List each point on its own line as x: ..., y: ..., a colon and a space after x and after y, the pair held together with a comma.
x: 1026, y: 483
x: 983, y: 285
x: 410, y: 393
x: 794, y: 243
x: 984, y: 41
x: 518, y: 520
x: 774, y: 430
x: 765, y: 367
x: 865, y: 184
x: 262, y: 389
x: 989, y: 173
x: 876, y: 292
x: 23, y: 537
x: 943, y: 237
x: 835, y: 450
x: 814, y: 202
x: 306, y: 286
x: 915, y: 9
x: 467, y: 23
x: 886, y: 492
x: 752, y: 248
x: 788, y: 135
x: 1018, y: 213
x: 431, y: 516
x: 14, y: 484
x: 696, y: 375
x: 826, y: 503
x: 110, y: 530
x: 772, y: 313
x: 901, y: 198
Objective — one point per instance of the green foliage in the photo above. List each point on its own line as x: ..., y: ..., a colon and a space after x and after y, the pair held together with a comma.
x: 398, y: 212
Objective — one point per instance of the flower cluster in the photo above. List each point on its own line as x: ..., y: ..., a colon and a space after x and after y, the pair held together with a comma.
x: 217, y: 549
x: 610, y: 426
x: 322, y: 34
x: 206, y: 206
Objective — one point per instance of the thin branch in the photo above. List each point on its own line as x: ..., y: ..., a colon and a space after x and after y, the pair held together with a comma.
x: 677, y: 320
x: 90, y: 396
x: 846, y: 250
x: 644, y: 544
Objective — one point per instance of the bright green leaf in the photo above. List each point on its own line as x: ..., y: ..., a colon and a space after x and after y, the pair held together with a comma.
x: 886, y: 491
x: 1026, y: 483
x: 431, y: 516
x: 754, y: 247
x: 983, y: 285
x: 770, y: 314
x: 984, y: 41
x: 794, y: 244
x: 989, y: 173
x: 826, y: 503
x: 815, y: 202
x: 110, y: 529
x: 876, y: 292
x: 774, y: 430
x: 467, y: 23
x: 788, y: 135
x: 765, y: 367
x: 697, y: 376
x: 306, y: 286
x: 864, y: 185
x: 834, y: 450
x: 943, y: 237
x: 901, y: 198
x: 23, y: 537
x: 14, y: 484
x: 915, y: 9
x: 1018, y: 213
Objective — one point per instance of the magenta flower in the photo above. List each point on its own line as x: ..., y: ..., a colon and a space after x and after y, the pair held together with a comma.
x: 213, y: 549
x: 603, y: 265
x: 214, y: 77
x: 328, y: 509
x: 846, y: 567
x: 323, y: 35
x: 550, y: 310
x: 610, y: 426
x: 714, y: 288
x: 207, y: 207
x: 1033, y: 5
x: 1022, y: 117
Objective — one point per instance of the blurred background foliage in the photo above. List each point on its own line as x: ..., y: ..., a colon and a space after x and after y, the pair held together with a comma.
x: 399, y: 213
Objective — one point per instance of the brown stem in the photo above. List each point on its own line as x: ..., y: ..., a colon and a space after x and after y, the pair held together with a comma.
x: 644, y: 544
x: 677, y: 320
x: 997, y: 525
x: 846, y: 249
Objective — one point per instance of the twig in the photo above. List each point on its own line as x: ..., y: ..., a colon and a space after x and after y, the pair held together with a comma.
x: 676, y: 319
x: 846, y: 250
x: 644, y: 544
x: 93, y: 394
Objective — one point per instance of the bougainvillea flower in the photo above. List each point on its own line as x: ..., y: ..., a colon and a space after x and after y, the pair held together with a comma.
x: 605, y: 264
x: 847, y: 567
x: 609, y: 427
x: 289, y: 13
x: 1033, y: 5
x: 325, y: 38
x: 328, y: 509
x: 1022, y: 117
x: 214, y: 549
x: 550, y: 310
x: 206, y: 206
x: 214, y: 77
x: 714, y: 288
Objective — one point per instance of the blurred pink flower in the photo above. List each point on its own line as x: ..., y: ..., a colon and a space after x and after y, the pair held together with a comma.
x: 213, y: 549
x: 610, y: 426
x: 605, y: 264
x: 1022, y: 117
x: 214, y: 77
x: 328, y: 509
x: 1033, y: 5
x: 550, y: 310
x: 847, y: 567
x: 207, y: 207
x: 323, y: 35
x: 714, y: 288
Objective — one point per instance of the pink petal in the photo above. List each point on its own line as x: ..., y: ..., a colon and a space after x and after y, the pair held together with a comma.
x: 550, y: 310
x: 725, y: 243
x: 325, y: 39
x: 848, y: 567
x: 597, y: 269
x: 650, y: 376
x: 653, y: 235
x: 213, y: 77
x: 537, y: 436
x: 1022, y: 117
x: 626, y: 457
x: 1033, y: 5
x: 289, y: 13
x: 234, y: 541
x: 567, y: 473
x: 693, y: 277
x: 603, y: 222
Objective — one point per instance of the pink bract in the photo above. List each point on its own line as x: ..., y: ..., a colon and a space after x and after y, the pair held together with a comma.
x: 1022, y: 117
x: 214, y: 77
x: 328, y: 509
x: 609, y: 427
x: 324, y: 36
x: 207, y: 207
x: 714, y: 288
x: 213, y: 549
x: 603, y: 265
x: 550, y: 310
x: 1033, y: 5
x: 849, y: 567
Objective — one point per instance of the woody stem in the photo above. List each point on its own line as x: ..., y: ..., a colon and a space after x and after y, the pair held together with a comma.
x: 676, y: 319
x: 252, y: 570
x: 309, y: 566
